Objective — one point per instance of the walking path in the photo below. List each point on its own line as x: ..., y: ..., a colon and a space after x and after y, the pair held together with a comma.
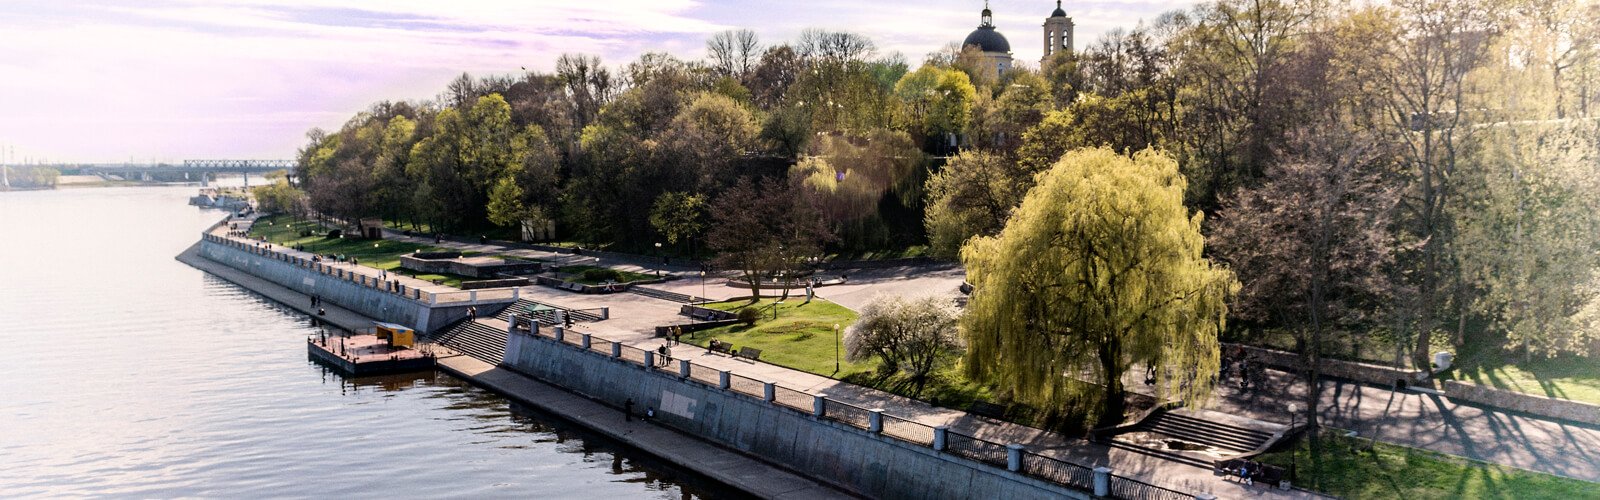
x: 1429, y: 422
x: 1418, y: 420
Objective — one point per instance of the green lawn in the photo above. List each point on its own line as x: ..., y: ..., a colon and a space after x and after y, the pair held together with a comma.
x: 801, y: 338
x: 575, y: 274
x: 1392, y: 471
x: 1573, y: 378
x: 284, y: 231
x: 898, y: 253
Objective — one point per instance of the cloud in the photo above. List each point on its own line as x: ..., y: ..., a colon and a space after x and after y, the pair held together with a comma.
x: 101, y: 80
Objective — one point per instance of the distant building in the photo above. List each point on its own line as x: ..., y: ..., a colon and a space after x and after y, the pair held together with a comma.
x: 997, y: 50
x: 1057, y: 33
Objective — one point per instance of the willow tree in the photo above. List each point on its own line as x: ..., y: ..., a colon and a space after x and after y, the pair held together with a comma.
x: 1098, y: 270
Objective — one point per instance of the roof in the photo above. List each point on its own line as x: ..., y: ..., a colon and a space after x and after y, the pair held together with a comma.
x: 987, y: 40
x: 1058, y: 12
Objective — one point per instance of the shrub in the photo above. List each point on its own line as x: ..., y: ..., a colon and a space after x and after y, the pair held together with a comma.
x: 749, y: 315
x: 601, y: 275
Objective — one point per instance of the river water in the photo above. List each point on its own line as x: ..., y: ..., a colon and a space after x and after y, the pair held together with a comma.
x: 129, y: 374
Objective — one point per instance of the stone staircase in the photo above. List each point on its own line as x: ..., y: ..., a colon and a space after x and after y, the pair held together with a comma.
x: 546, y: 314
x: 666, y: 295
x: 1174, y: 436
x: 481, y: 341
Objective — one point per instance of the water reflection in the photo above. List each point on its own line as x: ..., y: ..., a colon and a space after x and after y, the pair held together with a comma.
x: 132, y: 375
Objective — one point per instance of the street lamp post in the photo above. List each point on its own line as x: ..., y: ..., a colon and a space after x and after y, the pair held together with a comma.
x: 1294, y: 411
x: 658, y: 254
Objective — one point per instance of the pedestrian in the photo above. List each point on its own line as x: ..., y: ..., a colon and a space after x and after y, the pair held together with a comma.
x: 472, y: 313
x: 627, y: 410
x: 322, y: 312
x: 649, y: 413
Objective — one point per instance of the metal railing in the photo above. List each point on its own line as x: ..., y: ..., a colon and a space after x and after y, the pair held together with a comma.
x: 633, y: 354
x: 746, y: 385
x: 982, y: 450
x: 846, y: 412
x: 907, y: 430
x: 708, y: 375
x: 1133, y: 489
x: 1057, y: 471
x: 792, y: 398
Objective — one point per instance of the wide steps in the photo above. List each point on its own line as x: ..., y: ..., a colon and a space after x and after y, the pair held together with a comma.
x: 484, y: 342
x: 547, y: 314
x: 1214, y: 434
x: 1164, y: 455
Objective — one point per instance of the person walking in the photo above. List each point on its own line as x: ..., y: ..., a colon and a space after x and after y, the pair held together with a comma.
x: 472, y: 313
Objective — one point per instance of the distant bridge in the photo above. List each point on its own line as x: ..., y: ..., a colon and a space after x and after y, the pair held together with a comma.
x: 190, y: 170
x: 239, y: 165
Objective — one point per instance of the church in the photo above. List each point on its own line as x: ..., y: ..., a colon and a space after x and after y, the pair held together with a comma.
x: 997, y: 51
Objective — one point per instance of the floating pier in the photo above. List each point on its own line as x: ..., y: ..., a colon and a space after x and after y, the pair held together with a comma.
x: 388, y: 349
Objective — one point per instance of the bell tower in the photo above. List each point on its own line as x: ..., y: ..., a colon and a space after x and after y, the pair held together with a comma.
x: 1057, y: 33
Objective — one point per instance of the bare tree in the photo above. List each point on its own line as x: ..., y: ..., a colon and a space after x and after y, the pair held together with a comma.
x: 1435, y: 45
x: 1312, y: 247
x: 589, y: 86
x: 834, y: 46
x: 733, y: 52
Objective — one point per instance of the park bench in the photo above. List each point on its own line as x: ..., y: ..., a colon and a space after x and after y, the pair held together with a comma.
x: 990, y: 410
x: 1270, y: 475
x: 749, y: 353
x: 722, y: 348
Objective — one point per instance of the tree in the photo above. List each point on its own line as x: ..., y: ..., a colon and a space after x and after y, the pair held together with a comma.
x: 938, y: 101
x: 509, y: 209
x: 1312, y: 248
x: 1099, y: 269
x: 709, y: 137
x: 1527, y: 236
x: 679, y: 216
x: 915, y: 336
x: 973, y: 195
x: 1433, y: 46
x: 733, y: 52
x: 280, y: 197
x: 764, y: 230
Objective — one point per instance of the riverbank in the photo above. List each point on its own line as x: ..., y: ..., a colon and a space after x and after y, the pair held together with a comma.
x: 728, y: 467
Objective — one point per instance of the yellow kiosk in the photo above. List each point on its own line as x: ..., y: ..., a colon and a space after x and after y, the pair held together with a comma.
x: 398, y: 336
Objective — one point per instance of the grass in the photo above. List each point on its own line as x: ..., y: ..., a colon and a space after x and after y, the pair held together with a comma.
x: 284, y: 231
x: 1392, y: 471
x: 897, y: 253
x: 575, y: 274
x: 801, y: 338
x: 1571, y: 378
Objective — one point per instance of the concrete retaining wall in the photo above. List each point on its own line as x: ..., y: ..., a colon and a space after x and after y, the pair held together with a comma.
x: 856, y: 460
x: 1526, y: 403
x: 370, y: 302
x: 1360, y: 372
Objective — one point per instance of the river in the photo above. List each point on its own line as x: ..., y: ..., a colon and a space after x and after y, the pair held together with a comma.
x: 129, y: 374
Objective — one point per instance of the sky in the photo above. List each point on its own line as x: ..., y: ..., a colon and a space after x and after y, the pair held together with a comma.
x: 98, y: 81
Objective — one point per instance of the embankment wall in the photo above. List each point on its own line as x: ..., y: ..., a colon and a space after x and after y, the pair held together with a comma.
x: 371, y: 302
x: 869, y: 464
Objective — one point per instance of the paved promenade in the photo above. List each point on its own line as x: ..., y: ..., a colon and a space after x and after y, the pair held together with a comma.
x: 1417, y: 420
